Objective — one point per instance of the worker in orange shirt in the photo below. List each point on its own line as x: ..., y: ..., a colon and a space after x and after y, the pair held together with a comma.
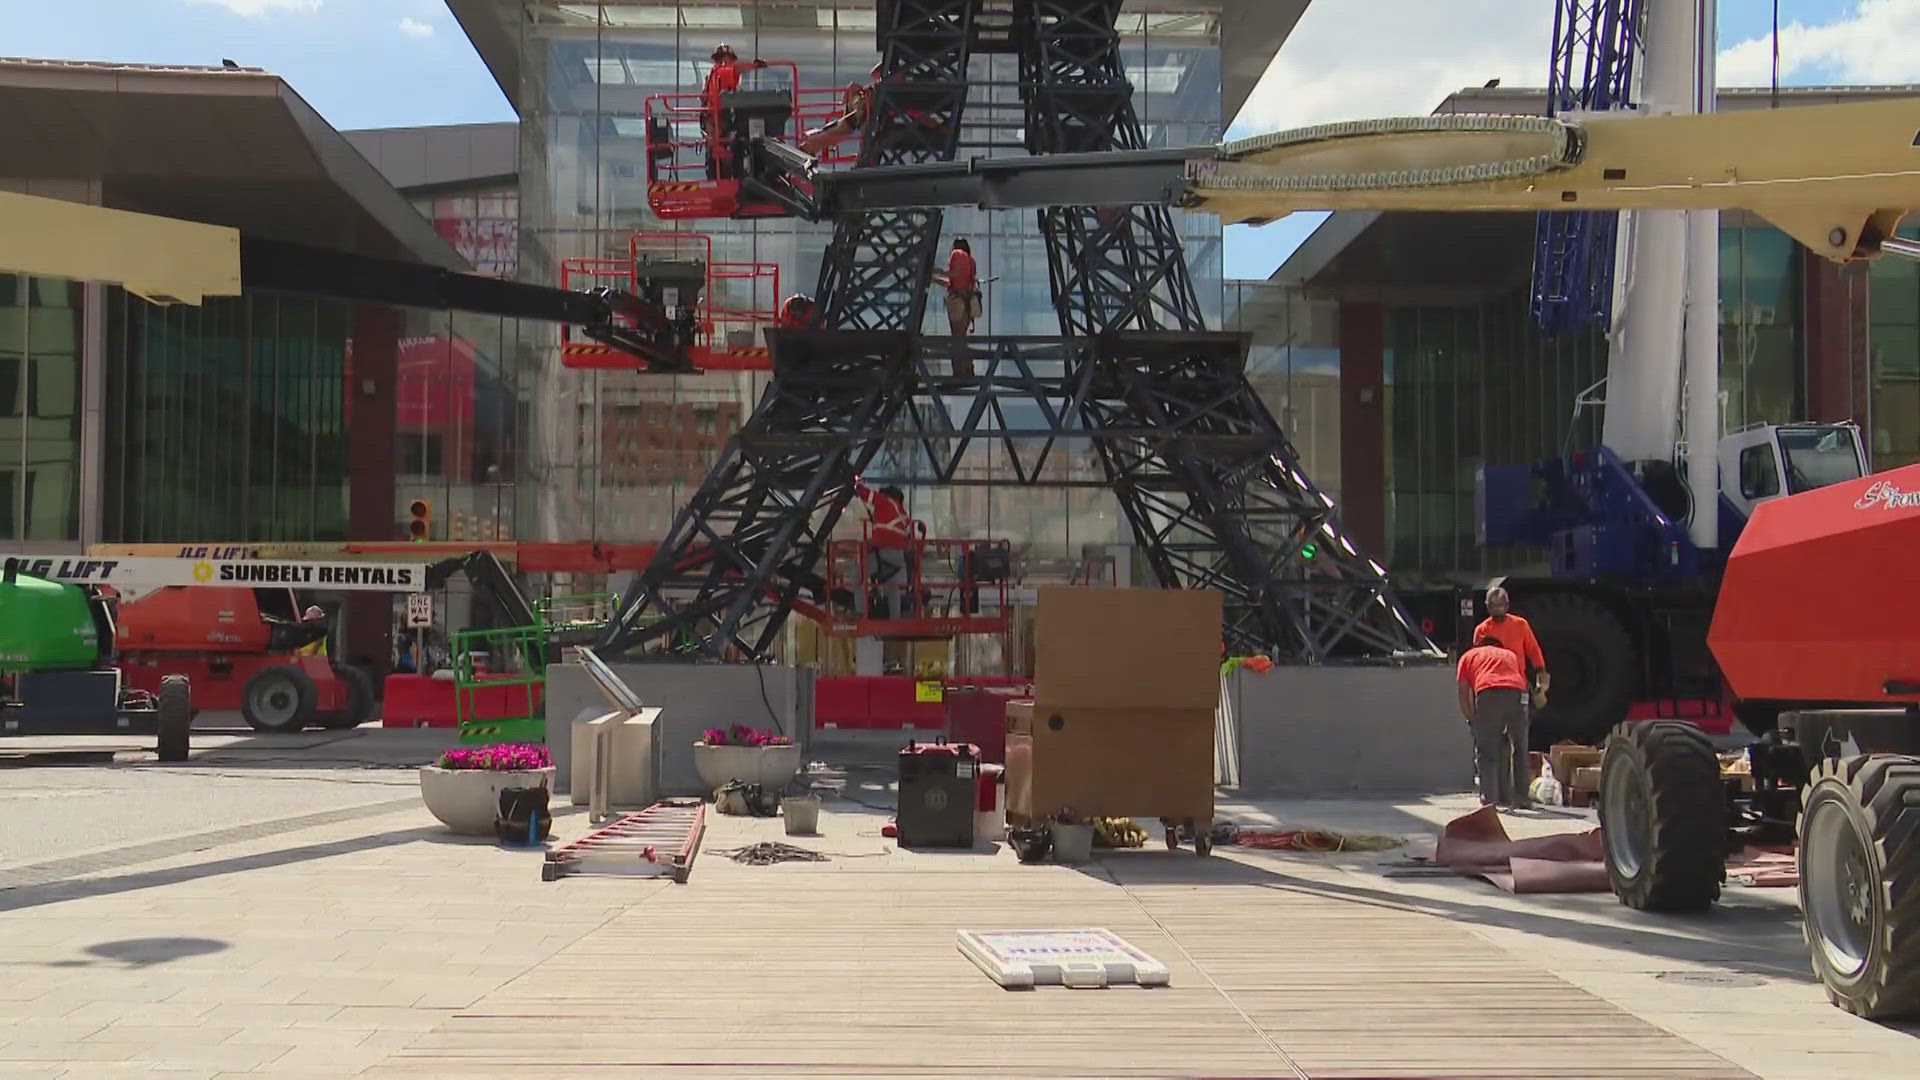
x: 1516, y: 634
x: 890, y: 536
x: 1493, y: 699
x: 724, y: 78
x: 962, y: 279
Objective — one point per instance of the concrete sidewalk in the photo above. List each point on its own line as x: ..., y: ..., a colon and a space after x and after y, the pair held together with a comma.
x: 316, y: 921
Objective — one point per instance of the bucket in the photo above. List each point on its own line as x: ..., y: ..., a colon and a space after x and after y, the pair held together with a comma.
x: 1071, y: 843
x: 802, y: 814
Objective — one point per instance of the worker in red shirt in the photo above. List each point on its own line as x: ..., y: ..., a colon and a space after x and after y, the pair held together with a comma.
x: 1516, y: 634
x: 890, y: 534
x: 724, y: 78
x: 796, y: 312
x: 962, y: 280
x: 1493, y: 699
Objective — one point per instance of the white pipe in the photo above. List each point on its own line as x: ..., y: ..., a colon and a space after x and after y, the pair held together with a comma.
x: 1703, y: 319
x: 1644, y: 358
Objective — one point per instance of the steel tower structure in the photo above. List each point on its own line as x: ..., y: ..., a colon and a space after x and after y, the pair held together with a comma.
x: 1211, y: 487
x: 1595, y: 44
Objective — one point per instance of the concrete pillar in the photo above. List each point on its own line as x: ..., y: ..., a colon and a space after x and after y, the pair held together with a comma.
x: 372, y: 378
x: 1363, y: 437
x: 1834, y: 352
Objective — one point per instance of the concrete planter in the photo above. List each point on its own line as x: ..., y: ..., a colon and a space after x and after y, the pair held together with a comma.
x: 468, y: 800
x: 769, y: 766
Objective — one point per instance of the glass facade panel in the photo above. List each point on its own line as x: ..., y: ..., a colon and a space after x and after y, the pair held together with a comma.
x: 1893, y: 313
x: 41, y: 327
x: 1473, y: 385
x: 225, y: 421
x: 612, y: 455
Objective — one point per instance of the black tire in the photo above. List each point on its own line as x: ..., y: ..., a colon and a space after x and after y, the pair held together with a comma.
x: 1860, y: 882
x: 280, y: 698
x: 173, y: 718
x: 1594, y: 668
x: 1663, y: 817
x: 359, y: 706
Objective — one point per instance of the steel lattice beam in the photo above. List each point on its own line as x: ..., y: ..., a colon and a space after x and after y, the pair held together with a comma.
x: 1109, y: 267
x: 1225, y: 505
x: 1595, y: 43
x: 874, y: 275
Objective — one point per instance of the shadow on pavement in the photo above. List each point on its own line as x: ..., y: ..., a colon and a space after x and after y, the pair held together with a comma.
x: 145, y: 952
x: 1758, y: 938
x: 54, y: 892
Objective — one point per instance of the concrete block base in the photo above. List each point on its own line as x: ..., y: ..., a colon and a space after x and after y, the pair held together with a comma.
x: 1338, y: 730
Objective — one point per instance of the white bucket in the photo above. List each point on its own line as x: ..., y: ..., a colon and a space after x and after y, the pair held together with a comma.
x: 1071, y: 843
x: 802, y: 814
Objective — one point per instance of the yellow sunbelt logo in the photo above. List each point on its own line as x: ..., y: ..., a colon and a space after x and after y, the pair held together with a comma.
x: 202, y: 571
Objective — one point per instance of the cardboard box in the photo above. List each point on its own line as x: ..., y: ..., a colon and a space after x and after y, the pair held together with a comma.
x: 1586, y: 778
x: 1142, y: 649
x: 1108, y: 762
x: 1567, y: 757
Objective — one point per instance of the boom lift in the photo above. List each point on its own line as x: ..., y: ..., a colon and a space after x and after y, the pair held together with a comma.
x: 1812, y: 630
x: 714, y: 311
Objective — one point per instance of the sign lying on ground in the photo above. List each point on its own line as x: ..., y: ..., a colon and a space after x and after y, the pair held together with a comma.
x: 153, y: 573
x: 1078, y: 958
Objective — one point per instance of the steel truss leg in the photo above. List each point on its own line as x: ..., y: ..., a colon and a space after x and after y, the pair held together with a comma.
x: 1224, y: 503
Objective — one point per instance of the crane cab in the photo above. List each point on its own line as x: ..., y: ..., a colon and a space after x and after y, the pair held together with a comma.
x: 698, y: 148
x: 716, y: 310
x: 1767, y: 461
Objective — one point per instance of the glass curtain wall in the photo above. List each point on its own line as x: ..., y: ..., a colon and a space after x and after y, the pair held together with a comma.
x: 1294, y: 364
x: 225, y: 420
x: 1893, y: 312
x: 613, y: 455
x: 41, y: 327
x: 459, y: 411
x: 1472, y: 385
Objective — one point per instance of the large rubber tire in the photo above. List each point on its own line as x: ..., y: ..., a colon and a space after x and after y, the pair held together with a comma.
x: 1594, y: 668
x: 1860, y: 882
x: 1663, y: 817
x: 279, y: 699
x: 359, y: 705
x: 173, y: 719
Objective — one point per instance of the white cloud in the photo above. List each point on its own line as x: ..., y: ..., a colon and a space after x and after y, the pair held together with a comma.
x: 1347, y: 61
x: 415, y: 28
x: 1871, y: 43
x: 254, y: 8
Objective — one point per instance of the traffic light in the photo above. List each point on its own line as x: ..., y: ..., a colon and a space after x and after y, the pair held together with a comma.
x: 1308, y: 550
x: 419, y: 520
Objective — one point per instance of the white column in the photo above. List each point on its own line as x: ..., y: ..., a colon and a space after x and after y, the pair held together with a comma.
x: 1703, y: 320
x: 1644, y: 344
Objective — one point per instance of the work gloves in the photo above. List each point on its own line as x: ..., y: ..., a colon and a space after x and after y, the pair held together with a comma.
x: 1540, y: 680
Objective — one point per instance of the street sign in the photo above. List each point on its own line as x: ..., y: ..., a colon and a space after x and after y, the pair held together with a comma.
x: 419, y: 611
x: 1091, y: 957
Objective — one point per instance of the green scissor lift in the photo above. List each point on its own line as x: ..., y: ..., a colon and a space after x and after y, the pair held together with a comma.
x: 517, y: 659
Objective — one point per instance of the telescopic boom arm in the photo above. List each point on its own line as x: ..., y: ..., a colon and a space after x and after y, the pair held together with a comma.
x: 1838, y: 178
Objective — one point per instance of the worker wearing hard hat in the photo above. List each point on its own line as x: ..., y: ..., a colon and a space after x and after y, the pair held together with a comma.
x: 1493, y: 699
x: 1514, y: 632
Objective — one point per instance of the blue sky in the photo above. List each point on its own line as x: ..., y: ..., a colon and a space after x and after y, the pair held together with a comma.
x: 387, y: 63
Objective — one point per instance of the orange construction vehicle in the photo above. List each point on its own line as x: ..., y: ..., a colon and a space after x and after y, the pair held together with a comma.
x: 241, y: 649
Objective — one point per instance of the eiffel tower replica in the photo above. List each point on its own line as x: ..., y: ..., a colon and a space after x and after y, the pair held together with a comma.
x: 1211, y: 488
